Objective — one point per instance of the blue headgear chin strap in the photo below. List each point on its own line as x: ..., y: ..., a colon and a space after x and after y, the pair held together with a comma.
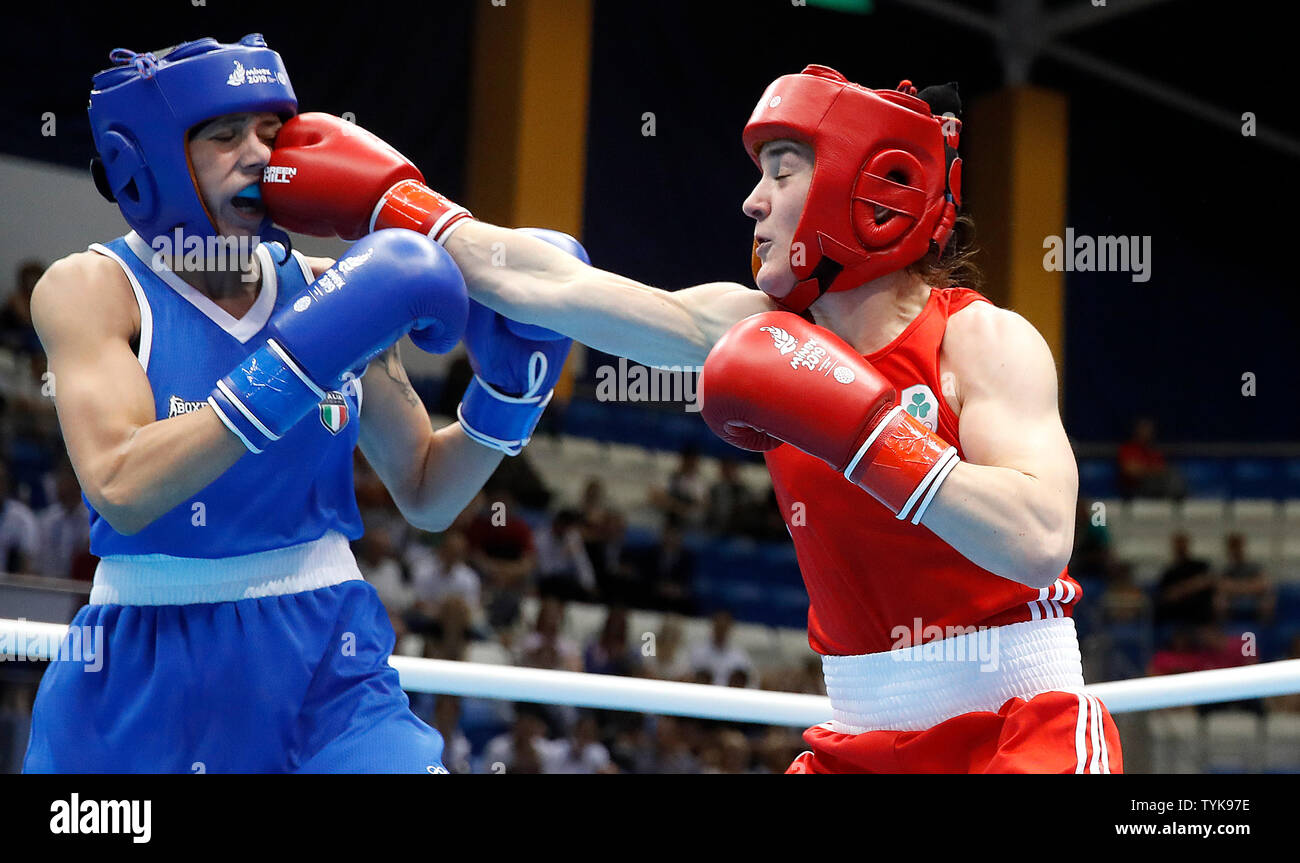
x: 143, y: 108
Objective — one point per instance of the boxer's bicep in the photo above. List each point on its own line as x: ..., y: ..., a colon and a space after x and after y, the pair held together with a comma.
x: 101, y: 392
x: 1009, y: 416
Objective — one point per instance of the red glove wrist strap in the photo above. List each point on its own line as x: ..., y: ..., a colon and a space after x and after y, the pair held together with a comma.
x: 411, y: 204
x: 902, y: 464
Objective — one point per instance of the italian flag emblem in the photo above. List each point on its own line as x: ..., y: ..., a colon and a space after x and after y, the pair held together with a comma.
x: 334, y: 412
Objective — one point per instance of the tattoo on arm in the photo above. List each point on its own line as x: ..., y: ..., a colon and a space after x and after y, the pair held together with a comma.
x: 392, y: 363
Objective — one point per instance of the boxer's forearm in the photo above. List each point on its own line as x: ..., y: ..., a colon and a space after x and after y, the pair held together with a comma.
x: 432, y: 475
x: 530, y: 281
x: 1005, y: 521
x: 161, y: 465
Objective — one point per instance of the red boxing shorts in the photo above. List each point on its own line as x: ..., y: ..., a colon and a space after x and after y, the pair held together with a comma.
x: 1054, y: 732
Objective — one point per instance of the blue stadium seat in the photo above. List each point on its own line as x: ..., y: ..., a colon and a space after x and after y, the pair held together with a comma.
x: 1098, y: 478
x: 1205, y: 477
x: 1258, y: 477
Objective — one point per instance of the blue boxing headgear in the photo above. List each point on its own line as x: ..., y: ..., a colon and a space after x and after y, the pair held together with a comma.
x: 142, y: 110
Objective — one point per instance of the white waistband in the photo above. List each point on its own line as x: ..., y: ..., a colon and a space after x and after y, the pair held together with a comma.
x: 161, y: 579
x: 917, y: 687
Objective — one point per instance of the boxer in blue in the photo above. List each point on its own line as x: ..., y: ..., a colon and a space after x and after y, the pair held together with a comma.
x: 211, y: 412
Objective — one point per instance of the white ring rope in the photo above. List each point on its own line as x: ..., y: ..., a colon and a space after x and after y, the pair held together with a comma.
x: 24, y: 638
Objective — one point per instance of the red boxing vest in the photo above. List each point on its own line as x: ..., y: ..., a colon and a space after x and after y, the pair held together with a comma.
x: 876, y: 583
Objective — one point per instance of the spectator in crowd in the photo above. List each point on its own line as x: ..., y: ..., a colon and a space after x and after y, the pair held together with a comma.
x: 609, y: 652
x: 1185, y: 595
x: 1143, y: 471
x: 546, y: 646
x: 776, y: 748
x: 563, y: 568
x: 733, y: 751
x: 1245, y: 593
x: 16, y: 331
x: 731, y: 504
x: 683, y: 501
x: 1123, y: 601
x: 667, y: 750
x: 446, y: 605
x: 581, y: 753
x: 666, y: 660
x: 456, y: 749
x: 716, y: 659
x: 517, y: 478
x: 381, y: 565
x: 19, y: 531
x: 443, y: 572
x: 64, y: 529
x: 519, y: 750
x: 501, y: 550
x: 665, y: 573
x: 603, y: 529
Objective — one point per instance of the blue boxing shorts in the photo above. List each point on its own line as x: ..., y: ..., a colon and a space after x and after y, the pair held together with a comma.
x: 275, y: 662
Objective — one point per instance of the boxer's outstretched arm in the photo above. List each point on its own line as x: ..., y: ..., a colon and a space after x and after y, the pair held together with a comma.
x: 132, y: 467
x: 530, y: 281
x: 1009, y: 506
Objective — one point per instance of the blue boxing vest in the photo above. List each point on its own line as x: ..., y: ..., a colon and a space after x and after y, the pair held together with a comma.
x: 299, y: 487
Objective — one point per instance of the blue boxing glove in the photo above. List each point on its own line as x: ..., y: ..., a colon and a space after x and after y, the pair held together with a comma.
x: 386, y: 284
x: 515, y: 365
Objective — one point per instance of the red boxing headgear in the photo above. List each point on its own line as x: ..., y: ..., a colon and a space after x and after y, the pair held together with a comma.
x: 870, y: 148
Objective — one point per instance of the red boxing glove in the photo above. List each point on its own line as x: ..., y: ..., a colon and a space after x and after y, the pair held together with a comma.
x: 325, y: 176
x: 776, y: 378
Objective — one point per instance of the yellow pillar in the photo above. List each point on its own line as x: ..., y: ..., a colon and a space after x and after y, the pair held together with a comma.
x: 1015, y: 177
x: 528, y: 123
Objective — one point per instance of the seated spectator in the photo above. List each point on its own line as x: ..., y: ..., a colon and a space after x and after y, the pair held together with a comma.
x: 546, y: 646
x: 456, y: 749
x: 713, y: 661
x: 731, y: 504
x: 669, y: 750
x: 683, y: 501
x: 443, y: 572
x: 1123, y: 601
x: 19, y: 530
x: 1245, y: 593
x: 501, y: 550
x: 1185, y: 596
x: 517, y: 478
x: 64, y: 529
x: 665, y: 573
x: 563, y: 568
x: 666, y: 660
x: 1143, y: 471
x: 519, y: 750
x: 610, y: 653
x: 581, y: 753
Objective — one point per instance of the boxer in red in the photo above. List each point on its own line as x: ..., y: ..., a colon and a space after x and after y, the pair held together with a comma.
x: 911, y: 429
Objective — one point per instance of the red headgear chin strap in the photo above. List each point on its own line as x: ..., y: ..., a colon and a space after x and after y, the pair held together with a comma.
x: 870, y: 148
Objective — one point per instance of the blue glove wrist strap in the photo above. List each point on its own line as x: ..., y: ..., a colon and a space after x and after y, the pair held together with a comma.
x: 264, y: 396
x: 497, y: 420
